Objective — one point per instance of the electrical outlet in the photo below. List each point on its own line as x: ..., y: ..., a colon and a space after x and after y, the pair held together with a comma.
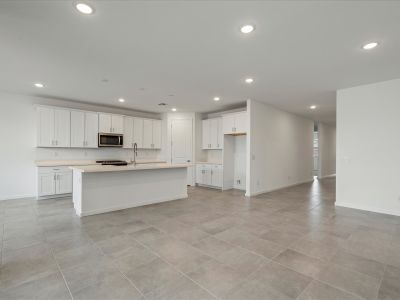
x: 86, y: 154
x: 55, y: 153
x: 258, y: 182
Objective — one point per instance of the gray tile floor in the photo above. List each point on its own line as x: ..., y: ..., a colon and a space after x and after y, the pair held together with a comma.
x: 289, y: 244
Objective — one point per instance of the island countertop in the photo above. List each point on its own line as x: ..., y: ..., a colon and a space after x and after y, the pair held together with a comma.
x: 129, y: 167
x: 81, y: 162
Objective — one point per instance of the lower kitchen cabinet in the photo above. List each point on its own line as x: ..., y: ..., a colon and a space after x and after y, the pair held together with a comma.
x: 209, y: 175
x: 54, y: 181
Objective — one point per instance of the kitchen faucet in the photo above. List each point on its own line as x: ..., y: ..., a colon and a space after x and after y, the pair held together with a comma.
x: 134, y: 154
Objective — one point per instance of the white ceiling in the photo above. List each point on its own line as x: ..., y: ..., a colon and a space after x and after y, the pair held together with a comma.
x: 299, y: 54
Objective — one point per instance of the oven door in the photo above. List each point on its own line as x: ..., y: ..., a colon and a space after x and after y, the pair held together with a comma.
x: 110, y: 140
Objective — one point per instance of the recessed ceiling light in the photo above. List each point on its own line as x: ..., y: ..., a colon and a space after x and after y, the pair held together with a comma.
x: 84, y: 8
x: 370, y: 46
x: 313, y: 107
x: 39, y: 85
x: 217, y: 98
x: 249, y: 80
x: 173, y: 109
x: 121, y: 100
x: 247, y: 28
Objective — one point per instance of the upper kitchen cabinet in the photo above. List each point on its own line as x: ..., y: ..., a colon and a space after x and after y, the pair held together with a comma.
x: 212, y: 134
x: 235, y: 123
x: 84, y: 129
x: 152, y: 134
x: 109, y: 123
x: 133, y: 132
x: 53, y: 127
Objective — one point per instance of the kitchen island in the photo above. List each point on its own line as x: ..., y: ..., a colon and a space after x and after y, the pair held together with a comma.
x: 98, y: 189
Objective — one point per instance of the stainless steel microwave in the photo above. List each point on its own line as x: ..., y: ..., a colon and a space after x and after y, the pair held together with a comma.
x: 111, y: 140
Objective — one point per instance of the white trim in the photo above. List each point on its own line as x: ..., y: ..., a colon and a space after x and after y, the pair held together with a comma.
x: 210, y: 186
x: 13, y: 197
x: 114, y: 208
x: 68, y: 195
x: 327, y: 176
x: 369, y: 208
x: 276, y: 189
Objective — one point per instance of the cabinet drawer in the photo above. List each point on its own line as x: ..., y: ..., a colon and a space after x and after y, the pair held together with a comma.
x: 63, y: 169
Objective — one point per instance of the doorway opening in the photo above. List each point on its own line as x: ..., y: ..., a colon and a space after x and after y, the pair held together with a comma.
x: 316, y: 166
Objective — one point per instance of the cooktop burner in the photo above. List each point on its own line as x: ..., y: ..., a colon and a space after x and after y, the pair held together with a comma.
x: 112, y: 162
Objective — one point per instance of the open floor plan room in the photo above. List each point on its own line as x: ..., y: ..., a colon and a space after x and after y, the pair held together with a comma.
x: 193, y: 150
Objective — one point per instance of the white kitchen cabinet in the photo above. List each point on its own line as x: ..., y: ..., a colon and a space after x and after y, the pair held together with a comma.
x: 220, y: 134
x: 241, y: 122
x: 45, y: 127
x: 53, y: 181
x: 62, y: 127
x: 105, y: 123
x: 216, y: 175
x: 46, y: 184
x: 91, y: 129
x: 53, y: 127
x: 206, y: 134
x: 138, y: 132
x: 157, y: 134
x: 128, y: 132
x: 209, y: 175
x: 109, y: 123
x: 147, y: 133
x: 77, y: 129
x: 152, y: 134
x: 63, y: 182
x: 133, y: 132
x: 117, y: 123
x: 84, y: 129
x: 235, y: 123
x: 212, y: 134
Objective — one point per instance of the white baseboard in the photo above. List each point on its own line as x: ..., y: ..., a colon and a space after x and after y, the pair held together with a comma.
x: 114, y: 208
x: 277, y: 189
x: 369, y: 208
x: 54, y: 196
x: 14, y: 197
x: 327, y: 176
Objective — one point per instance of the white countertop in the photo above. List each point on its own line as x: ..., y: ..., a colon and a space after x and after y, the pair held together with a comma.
x: 208, y: 163
x: 130, y: 167
x: 56, y: 163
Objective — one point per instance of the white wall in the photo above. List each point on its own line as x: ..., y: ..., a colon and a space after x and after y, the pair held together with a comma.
x: 240, y: 162
x: 18, y: 143
x: 368, y: 147
x: 280, y: 149
x: 327, y: 150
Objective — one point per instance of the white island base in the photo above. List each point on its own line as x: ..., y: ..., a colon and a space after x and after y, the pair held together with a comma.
x: 100, y: 189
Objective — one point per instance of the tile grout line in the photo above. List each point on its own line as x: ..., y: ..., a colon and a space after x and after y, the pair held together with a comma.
x: 175, y: 268
x: 59, y: 268
x: 380, y: 283
x: 116, y: 267
x: 185, y: 275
